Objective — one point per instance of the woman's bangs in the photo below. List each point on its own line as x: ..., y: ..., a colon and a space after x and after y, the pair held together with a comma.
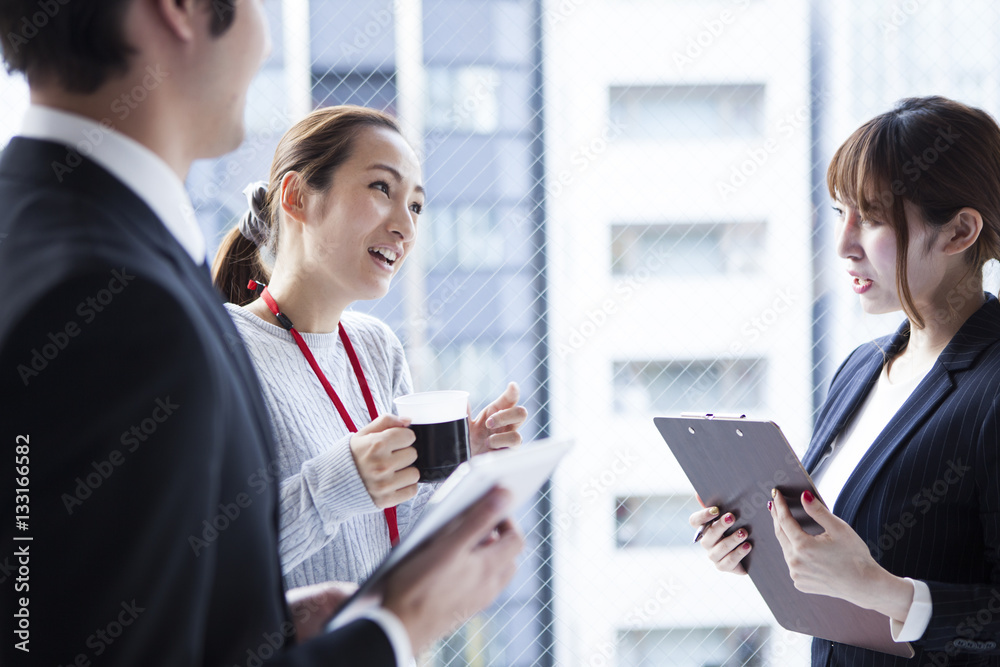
x: 860, y: 174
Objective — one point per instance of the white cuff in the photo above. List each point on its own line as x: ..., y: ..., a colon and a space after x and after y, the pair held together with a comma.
x: 918, y: 618
x: 395, y: 631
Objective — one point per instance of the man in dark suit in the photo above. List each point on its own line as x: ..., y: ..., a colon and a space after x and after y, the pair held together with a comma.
x: 139, y: 519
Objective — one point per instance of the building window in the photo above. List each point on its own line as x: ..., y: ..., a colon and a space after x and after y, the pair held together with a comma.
x: 463, y: 99
x: 367, y: 88
x: 689, y: 112
x: 693, y: 647
x: 653, y: 521
x: 670, y: 387
x: 466, y: 236
x: 687, y: 249
x: 477, y: 368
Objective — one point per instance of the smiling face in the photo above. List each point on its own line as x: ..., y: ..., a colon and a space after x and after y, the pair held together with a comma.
x: 361, y: 229
x: 869, y: 248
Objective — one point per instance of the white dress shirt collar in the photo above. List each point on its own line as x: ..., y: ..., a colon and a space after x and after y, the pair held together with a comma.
x: 139, y: 168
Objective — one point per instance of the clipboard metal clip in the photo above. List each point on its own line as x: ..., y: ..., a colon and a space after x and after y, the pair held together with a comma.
x: 713, y: 415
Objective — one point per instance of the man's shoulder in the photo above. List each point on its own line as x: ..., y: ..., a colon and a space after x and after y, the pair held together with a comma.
x: 69, y: 220
x: 48, y: 215
x: 50, y: 237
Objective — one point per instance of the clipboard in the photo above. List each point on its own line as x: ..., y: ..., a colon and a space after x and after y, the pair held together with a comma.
x: 521, y: 471
x: 765, y: 461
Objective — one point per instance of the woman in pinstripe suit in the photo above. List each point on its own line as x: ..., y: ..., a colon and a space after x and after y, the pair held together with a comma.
x: 905, y: 448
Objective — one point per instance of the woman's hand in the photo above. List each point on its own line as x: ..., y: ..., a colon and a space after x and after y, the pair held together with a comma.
x: 496, y: 426
x: 725, y: 552
x: 384, y: 455
x: 837, y: 562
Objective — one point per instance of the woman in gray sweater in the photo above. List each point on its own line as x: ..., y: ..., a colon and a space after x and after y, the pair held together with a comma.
x: 332, y: 227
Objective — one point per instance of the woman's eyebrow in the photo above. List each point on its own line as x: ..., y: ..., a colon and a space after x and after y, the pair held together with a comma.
x: 398, y: 176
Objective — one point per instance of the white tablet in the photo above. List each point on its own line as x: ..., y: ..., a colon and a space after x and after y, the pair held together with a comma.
x: 521, y: 471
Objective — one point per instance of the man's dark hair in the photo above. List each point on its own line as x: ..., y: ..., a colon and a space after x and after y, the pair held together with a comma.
x: 79, y: 43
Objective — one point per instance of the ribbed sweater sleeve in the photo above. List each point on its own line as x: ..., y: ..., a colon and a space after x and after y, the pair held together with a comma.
x: 316, y: 501
x: 330, y: 527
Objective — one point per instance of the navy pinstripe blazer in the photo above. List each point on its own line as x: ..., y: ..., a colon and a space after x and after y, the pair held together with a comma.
x: 926, y: 495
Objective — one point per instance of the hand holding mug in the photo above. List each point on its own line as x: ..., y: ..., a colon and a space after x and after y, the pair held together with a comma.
x: 384, y: 454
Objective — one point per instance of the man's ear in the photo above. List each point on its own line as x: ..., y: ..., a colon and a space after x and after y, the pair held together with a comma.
x: 180, y: 17
x: 293, y: 196
x: 963, y: 231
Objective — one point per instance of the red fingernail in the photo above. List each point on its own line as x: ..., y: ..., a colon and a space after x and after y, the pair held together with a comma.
x: 746, y: 546
x: 769, y: 505
x: 807, y: 496
x: 729, y: 518
x: 741, y: 533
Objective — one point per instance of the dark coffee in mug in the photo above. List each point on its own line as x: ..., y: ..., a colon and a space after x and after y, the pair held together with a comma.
x: 440, y: 448
x: 439, y: 421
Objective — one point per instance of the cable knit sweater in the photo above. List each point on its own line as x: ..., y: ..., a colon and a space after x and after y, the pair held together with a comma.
x: 330, y: 527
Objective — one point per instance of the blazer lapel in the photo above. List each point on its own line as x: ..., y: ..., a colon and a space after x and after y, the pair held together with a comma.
x: 859, y: 374
x: 842, y: 409
x: 209, y: 301
x: 917, y: 409
x: 981, y: 330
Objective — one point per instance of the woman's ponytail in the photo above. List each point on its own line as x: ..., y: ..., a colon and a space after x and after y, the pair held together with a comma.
x: 239, y: 259
x: 237, y: 262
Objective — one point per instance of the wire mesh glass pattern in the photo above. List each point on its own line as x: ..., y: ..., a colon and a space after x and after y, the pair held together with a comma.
x: 627, y: 215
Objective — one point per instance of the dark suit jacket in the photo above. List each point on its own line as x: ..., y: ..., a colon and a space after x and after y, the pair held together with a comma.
x: 152, y: 494
x: 926, y: 496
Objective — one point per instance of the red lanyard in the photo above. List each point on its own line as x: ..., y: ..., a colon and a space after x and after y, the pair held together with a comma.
x: 390, y: 512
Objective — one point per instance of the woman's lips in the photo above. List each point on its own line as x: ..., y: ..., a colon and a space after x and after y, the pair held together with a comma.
x: 861, y: 285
